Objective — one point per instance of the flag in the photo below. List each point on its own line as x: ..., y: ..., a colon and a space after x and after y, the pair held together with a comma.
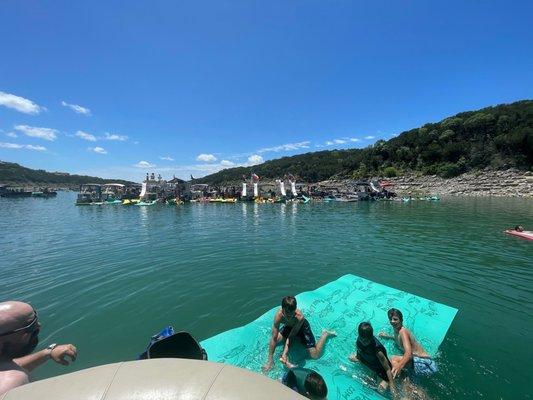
x: 255, y: 177
x: 291, y: 177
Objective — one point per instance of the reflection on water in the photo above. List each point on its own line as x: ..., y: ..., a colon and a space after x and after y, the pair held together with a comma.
x: 106, y: 278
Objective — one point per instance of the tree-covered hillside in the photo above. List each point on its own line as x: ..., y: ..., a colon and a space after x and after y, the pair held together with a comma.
x: 497, y: 137
x: 15, y: 174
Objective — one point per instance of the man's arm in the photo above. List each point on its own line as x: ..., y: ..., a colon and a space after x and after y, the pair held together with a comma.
x: 385, y: 363
x: 58, y: 354
x: 407, y: 353
x: 12, y: 379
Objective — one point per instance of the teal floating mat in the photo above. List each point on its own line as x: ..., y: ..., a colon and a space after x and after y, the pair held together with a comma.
x: 340, y: 306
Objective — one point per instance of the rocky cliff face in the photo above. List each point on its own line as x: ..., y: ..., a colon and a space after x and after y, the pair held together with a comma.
x: 510, y: 183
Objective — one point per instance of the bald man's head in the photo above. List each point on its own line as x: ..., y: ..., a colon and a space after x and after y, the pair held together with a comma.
x: 19, y: 329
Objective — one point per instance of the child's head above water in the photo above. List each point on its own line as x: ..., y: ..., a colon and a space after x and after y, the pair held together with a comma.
x: 288, y: 305
x: 395, y: 317
x: 366, y: 332
x: 315, y: 387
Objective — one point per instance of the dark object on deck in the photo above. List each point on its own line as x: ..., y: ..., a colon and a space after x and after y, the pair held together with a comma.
x: 167, y: 344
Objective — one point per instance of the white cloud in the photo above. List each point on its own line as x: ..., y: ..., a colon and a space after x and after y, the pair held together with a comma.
x: 41, y: 133
x: 76, y: 108
x: 35, y: 147
x: 369, y: 137
x: 330, y: 143
x: 114, y: 136
x: 286, y: 147
x: 85, y: 136
x: 206, y: 158
x: 318, y: 145
x: 20, y: 104
x: 166, y: 158
x: 22, y: 146
x: 353, y: 139
x: 255, y: 159
x: 12, y: 135
x: 144, y: 164
x: 339, y: 141
x: 99, y: 150
x: 227, y: 163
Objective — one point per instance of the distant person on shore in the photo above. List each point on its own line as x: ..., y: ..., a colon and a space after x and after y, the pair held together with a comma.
x: 306, y: 382
x: 19, y: 335
x: 294, y: 325
x: 372, y: 354
x: 415, y: 359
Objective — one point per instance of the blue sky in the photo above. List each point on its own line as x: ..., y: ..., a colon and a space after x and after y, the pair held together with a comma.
x: 192, y: 87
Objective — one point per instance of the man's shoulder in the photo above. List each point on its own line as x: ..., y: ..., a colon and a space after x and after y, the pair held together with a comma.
x: 12, y: 378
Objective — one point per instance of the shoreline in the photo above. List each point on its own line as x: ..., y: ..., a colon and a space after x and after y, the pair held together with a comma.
x: 508, y: 183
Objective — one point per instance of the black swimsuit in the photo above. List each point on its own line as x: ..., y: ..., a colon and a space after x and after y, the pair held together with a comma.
x: 304, y: 334
x: 368, y: 355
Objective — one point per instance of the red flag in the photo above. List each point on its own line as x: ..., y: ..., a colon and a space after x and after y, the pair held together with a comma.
x: 255, y: 177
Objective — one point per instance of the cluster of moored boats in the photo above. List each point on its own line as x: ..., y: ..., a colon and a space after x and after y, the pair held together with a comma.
x: 174, y: 192
x: 16, y: 192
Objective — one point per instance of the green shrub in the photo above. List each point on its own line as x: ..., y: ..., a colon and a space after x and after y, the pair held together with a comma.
x: 390, y: 172
x: 448, y: 170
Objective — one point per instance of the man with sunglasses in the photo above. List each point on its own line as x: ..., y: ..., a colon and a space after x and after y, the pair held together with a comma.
x: 19, y: 335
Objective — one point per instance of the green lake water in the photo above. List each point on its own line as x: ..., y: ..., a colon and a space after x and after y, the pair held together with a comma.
x: 108, y: 277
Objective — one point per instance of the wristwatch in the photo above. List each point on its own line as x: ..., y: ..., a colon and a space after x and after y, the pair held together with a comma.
x: 50, y: 348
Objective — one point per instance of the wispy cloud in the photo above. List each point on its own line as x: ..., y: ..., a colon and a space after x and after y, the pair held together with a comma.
x: 369, y: 137
x: 354, y: 139
x: 41, y: 133
x: 285, y: 147
x: 99, y: 150
x: 85, y: 136
x: 12, y: 135
x: 77, y: 108
x: 115, y: 137
x: 20, y: 104
x: 227, y: 163
x: 144, y: 164
x: 22, y: 146
x: 206, y: 157
x: 166, y: 158
x: 255, y: 159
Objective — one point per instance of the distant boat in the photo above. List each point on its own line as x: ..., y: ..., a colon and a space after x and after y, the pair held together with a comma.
x: 6, y: 191
x: 45, y: 193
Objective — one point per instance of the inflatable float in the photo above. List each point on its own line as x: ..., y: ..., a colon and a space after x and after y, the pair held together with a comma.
x: 528, y: 235
x: 339, y: 306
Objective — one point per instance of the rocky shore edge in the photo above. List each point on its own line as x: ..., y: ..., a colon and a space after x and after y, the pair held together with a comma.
x: 508, y: 183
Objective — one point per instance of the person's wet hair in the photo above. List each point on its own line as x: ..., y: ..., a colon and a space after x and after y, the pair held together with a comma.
x: 365, y: 330
x: 394, y: 312
x: 315, y: 386
x: 288, y: 303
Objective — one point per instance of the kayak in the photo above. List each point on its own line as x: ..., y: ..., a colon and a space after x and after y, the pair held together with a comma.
x: 524, y: 234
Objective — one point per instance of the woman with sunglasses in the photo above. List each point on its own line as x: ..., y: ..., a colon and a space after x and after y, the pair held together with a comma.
x: 19, y: 335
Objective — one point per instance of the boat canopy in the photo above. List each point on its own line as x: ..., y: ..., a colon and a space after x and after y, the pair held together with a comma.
x: 162, y: 379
